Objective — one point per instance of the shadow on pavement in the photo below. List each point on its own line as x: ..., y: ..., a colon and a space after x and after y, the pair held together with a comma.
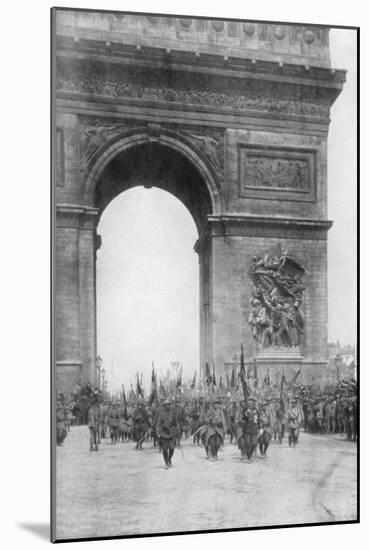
x: 40, y: 529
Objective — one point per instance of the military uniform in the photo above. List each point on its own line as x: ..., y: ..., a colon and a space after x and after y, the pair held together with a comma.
x: 113, y: 423
x: 293, y: 424
x: 215, y: 423
x: 140, y: 425
x: 93, y: 426
x: 167, y: 429
x: 247, y: 430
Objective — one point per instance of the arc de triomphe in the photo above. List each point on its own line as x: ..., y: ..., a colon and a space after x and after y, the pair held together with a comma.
x: 230, y: 117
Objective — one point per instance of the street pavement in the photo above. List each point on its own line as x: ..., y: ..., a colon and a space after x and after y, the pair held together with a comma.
x: 121, y: 491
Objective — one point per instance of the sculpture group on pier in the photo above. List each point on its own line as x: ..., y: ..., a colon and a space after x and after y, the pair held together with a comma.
x: 276, y: 318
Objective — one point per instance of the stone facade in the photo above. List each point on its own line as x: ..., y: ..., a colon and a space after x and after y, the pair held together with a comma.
x: 232, y: 118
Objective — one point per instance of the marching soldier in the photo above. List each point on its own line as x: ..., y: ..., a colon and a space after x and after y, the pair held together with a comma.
x: 293, y: 416
x: 247, y: 428
x: 113, y: 422
x: 167, y: 429
x: 140, y: 425
x: 93, y: 426
x: 214, y: 430
x: 103, y: 414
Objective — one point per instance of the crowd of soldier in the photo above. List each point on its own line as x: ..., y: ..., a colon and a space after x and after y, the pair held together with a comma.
x: 212, y: 420
x: 331, y: 414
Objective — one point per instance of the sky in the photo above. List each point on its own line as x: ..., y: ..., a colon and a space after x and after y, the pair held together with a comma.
x: 342, y: 194
x: 147, y: 270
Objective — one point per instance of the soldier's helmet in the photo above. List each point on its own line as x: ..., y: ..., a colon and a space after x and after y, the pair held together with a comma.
x: 166, y: 402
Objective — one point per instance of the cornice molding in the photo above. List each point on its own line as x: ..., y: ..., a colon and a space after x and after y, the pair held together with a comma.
x: 239, y: 225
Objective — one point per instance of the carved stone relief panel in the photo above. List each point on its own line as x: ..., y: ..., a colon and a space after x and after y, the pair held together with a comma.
x: 277, y: 173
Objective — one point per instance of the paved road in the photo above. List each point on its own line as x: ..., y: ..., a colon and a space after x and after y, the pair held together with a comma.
x: 120, y: 491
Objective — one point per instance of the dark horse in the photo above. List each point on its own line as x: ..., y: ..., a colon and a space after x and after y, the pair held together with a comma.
x: 247, y: 435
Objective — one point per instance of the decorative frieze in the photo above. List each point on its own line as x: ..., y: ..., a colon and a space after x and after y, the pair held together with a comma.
x: 121, y: 83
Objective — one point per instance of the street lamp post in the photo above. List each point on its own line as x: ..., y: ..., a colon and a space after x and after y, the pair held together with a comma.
x: 98, y: 367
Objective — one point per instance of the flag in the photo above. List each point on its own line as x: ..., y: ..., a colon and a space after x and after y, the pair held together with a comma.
x: 242, y: 373
x: 179, y: 377
x: 214, y: 380
x: 233, y: 378
x: 295, y: 376
x: 139, y: 389
x: 207, y: 374
x: 193, y: 383
x: 221, y: 382
x: 154, y: 387
x: 124, y: 399
x: 283, y: 380
x: 255, y: 372
x: 132, y: 394
x: 242, y: 376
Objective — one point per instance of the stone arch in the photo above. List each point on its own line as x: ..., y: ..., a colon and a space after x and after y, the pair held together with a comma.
x: 174, y: 141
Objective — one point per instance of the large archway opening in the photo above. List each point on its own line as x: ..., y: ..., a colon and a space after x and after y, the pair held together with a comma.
x: 147, y: 286
x: 153, y: 203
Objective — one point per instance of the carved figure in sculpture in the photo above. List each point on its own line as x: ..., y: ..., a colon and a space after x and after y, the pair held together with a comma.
x: 299, y: 321
x: 209, y: 146
x: 95, y: 137
x: 284, y: 336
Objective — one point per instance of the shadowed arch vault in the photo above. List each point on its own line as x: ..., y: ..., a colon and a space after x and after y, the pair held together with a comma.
x: 169, y: 161
x: 152, y: 164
